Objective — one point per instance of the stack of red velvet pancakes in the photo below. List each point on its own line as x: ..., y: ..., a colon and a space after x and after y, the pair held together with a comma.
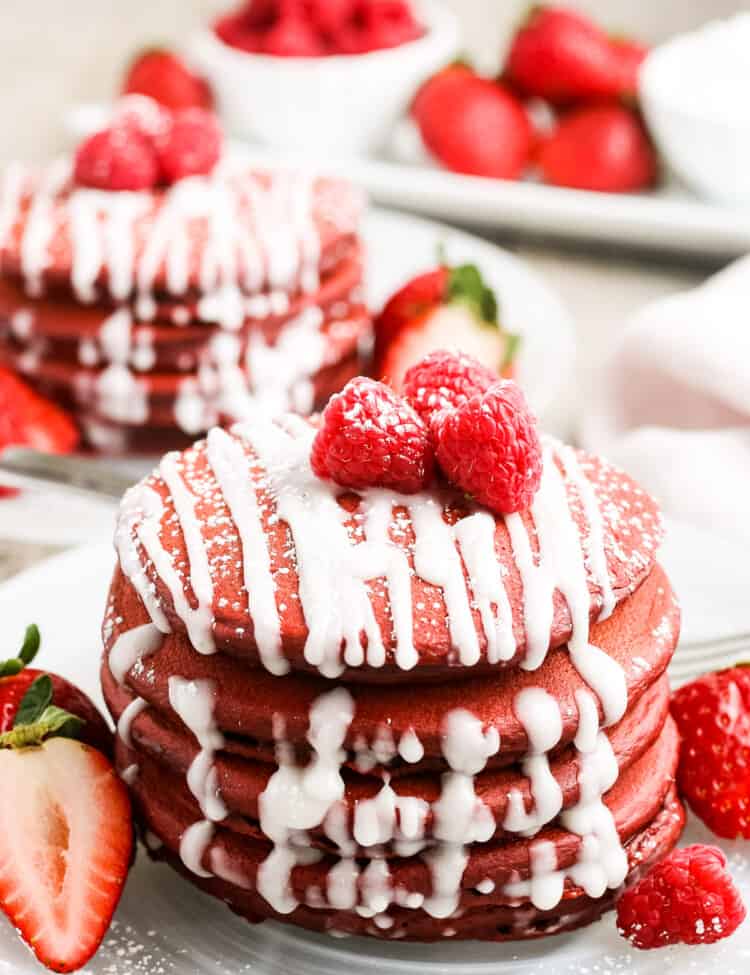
x: 153, y: 314
x: 401, y: 715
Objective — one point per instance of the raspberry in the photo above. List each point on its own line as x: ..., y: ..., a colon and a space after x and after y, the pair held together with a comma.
x: 146, y: 116
x: 489, y: 448
x: 118, y: 158
x: 688, y: 898
x: 370, y: 437
x: 191, y: 146
x: 713, y: 715
x: 445, y: 380
x: 293, y: 36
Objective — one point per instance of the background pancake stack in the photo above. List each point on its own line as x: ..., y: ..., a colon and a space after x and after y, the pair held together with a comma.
x: 152, y: 315
x: 392, y: 715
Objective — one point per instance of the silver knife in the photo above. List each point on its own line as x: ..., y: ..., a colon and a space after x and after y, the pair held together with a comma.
x: 83, y: 475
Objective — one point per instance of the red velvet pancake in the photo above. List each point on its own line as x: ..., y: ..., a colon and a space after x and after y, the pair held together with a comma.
x: 629, y: 525
x: 153, y: 316
x: 400, y: 716
x: 249, y: 208
x: 640, y: 635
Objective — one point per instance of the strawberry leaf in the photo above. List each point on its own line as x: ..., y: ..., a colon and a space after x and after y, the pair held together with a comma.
x: 31, y: 643
x: 465, y: 284
x: 54, y: 722
x: 35, y: 702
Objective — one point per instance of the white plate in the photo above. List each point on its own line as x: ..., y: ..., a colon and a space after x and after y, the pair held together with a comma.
x: 164, y: 925
x: 669, y: 219
x: 399, y: 246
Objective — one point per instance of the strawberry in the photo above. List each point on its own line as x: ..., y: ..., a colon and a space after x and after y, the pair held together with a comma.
x: 473, y: 125
x: 448, y: 307
x: 27, y: 419
x: 601, y: 147
x: 562, y: 56
x: 66, y: 833
x: 16, y: 677
x: 713, y: 715
x: 165, y: 78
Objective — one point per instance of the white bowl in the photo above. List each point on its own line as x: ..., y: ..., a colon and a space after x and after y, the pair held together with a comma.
x: 345, y: 104
x: 694, y: 90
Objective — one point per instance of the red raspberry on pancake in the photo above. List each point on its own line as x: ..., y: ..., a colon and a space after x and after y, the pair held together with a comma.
x: 117, y: 158
x: 689, y: 898
x: 66, y: 834
x: 370, y: 437
x: 447, y: 307
x: 445, y: 380
x: 489, y: 447
x: 713, y: 715
x: 191, y: 146
x: 163, y: 76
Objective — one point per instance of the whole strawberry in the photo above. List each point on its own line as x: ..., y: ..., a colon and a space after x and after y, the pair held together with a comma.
x: 689, y: 898
x: 473, y: 125
x: 161, y: 75
x: 489, y: 447
x: 445, y: 380
x: 448, y: 307
x: 563, y: 57
x: 602, y: 147
x: 713, y: 715
x: 370, y: 437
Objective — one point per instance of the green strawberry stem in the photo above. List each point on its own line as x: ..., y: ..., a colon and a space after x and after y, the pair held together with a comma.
x: 26, y: 654
x: 38, y: 718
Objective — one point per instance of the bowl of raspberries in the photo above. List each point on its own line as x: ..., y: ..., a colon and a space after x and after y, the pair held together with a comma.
x: 322, y: 75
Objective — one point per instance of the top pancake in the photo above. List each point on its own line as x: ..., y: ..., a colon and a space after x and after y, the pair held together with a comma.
x: 239, y: 228
x: 238, y: 545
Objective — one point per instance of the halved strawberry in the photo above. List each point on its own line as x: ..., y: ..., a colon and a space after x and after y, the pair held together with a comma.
x: 66, y: 834
x: 448, y: 307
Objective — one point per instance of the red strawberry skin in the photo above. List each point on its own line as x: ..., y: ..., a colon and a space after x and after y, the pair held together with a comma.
x: 474, y: 126
x: 563, y: 57
x: 417, y: 297
x: 66, y: 843
x: 95, y: 731
x: 602, y: 147
x: 165, y: 78
x: 713, y: 715
x: 688, y: 898
x: 27, y: 419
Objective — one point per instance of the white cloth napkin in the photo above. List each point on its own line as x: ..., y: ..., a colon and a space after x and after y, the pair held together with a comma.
x: 673, y: 403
